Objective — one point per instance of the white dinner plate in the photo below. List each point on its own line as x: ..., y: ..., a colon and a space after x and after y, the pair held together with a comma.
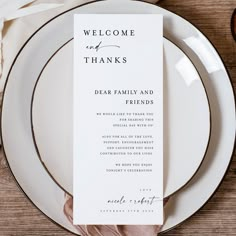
x: 184, y: 98
x: 16, y: 126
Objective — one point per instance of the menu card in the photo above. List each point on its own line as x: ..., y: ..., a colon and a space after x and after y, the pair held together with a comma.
x: 118, y: 119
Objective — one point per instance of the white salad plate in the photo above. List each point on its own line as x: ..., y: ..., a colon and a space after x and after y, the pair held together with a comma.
x: 184, y: 99
x: 16, y: 127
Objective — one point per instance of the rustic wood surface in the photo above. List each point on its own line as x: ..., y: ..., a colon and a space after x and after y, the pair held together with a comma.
x: 218, y: 217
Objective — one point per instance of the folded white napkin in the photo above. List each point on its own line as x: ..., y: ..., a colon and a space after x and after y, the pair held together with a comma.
x: 12, y: 9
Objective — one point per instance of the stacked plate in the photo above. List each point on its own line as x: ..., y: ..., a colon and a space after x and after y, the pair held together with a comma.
x: 199, y: 114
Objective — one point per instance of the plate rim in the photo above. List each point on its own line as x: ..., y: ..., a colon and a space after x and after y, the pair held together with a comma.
x: 35, y: 139
x: 73, y: 8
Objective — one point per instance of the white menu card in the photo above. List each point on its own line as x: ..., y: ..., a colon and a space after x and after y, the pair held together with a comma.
x: 118, y: 119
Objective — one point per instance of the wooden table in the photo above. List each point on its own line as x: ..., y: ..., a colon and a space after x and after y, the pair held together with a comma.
x: 218, y: 217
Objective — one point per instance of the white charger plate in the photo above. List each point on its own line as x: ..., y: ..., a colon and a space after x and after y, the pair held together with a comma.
x: 184, y: 98
x: 15, y: 120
